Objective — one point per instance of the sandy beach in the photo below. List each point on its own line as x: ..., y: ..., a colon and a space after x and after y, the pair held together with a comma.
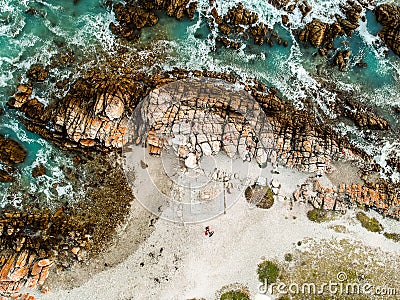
x: 178, y: 261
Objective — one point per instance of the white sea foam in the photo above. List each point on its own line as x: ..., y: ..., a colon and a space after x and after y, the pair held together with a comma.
x: 388, y: 149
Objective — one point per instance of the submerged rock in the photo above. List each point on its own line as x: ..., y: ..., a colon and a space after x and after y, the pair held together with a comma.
x: 341, y: 59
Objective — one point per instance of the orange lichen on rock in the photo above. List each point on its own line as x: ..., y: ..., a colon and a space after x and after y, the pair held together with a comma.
x: 22, y: 270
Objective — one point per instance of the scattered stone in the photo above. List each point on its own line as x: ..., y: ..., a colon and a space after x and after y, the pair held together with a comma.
x: 38, y: 171
x: 21, y: 96
x: 6, y: 177
x: 37, y: 73
x: 341, y: 59
x: 191, y: 161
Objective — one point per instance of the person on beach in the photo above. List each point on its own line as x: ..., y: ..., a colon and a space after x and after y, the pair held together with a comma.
x: 208, y: 232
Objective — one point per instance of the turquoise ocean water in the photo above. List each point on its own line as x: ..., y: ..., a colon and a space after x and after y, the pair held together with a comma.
x: 59, y: 26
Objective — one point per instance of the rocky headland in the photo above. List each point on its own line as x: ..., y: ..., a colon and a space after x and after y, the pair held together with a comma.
x: 91, y: 120
x: 389, y: 16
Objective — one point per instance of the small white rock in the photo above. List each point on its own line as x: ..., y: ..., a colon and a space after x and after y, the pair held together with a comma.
x: 191, y: 161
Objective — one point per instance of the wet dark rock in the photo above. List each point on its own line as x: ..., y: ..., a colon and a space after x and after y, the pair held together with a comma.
x: 135, y: 15
x: 285, y: 19
x: 240, y: 22
x: 11, y: 152
x: 364, y: 118
x: 38, y: 171
x: 177, y: 8
x: 6, y: 177
x: 320, y: 34
x: 322, y: 51
x: 34, y: 109
x: 131, y: 18
x: 283, y: 4
x: 341, y: 59
x: 305, y: 8
x: 21, y: 96
x: 361, y: 64
x: 389, y: 16
x: 37, y: 73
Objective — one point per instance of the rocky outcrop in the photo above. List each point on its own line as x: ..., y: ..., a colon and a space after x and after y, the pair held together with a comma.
x: 92, y: 114
x: 363, y: 117
x: 320, y: 34
x: 6, y: 176
x: 240, y: 22
x: 389, y: 16
x: 135, y: 15
x: 275, y: 131
x: 380, y: 197
x: 11, y: 152
x: 37, y: 73
x: 23, y: 270
x: 21, y: 96
x: 131, y: 18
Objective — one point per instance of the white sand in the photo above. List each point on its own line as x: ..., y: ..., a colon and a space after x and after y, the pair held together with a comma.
x: 194, y: 265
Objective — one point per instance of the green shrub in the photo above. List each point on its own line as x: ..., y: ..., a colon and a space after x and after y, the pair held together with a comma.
x: 267, y: 272
x: 393, y: 236
x: 235, y: 295
x: 288, y: 257
x: 266, y: 202
x: 248, y: 193
x: 317, y: 215
x: 371, y: 224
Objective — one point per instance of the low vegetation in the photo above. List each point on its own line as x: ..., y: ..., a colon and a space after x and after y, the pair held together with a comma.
x: 371, y: 224
x: 319, y: 215
x: 392, y: 236
x: 267, y: 272
x: 263, y: 196
x: 322, y: 260
x: 235, y: 295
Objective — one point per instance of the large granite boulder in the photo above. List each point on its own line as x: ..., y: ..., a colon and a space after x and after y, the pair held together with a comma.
x: 93, y: 113
x: 318, y: 33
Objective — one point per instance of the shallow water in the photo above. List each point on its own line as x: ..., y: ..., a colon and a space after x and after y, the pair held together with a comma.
x: 83, y: 27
